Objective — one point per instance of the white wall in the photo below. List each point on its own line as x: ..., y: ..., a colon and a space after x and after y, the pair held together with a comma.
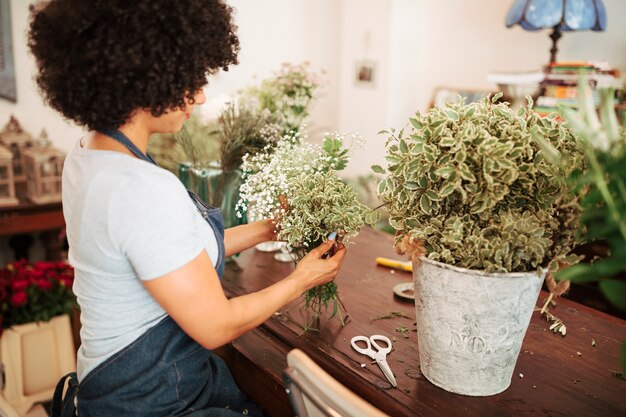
x: 417, y: 44
x: 460, y: 41
x: 456, y: 43
x: 271, y: 32
x: 363, y: 108
x: 30, y: 109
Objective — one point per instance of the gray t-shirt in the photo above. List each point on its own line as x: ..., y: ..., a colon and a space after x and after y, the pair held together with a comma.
x: 127, y: 221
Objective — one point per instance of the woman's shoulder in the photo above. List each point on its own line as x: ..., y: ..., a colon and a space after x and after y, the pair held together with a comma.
x: 149, y: 181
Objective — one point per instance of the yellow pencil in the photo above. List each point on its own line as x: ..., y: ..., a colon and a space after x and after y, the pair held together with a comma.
x: 392, y: 263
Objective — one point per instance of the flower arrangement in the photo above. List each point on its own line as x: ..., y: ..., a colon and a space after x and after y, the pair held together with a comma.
x: 35, y: 292
x: 471, y: 183
x: 207, y: 155
x: 303, y: 177
x: 287, y: 95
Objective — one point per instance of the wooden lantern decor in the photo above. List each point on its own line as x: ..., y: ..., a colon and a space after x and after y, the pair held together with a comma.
x: 7, y: 186
x: 43, y: 167
x: 17, y: 140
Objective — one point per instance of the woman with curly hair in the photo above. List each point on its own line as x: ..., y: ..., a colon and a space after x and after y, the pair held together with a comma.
x: 147, y: 253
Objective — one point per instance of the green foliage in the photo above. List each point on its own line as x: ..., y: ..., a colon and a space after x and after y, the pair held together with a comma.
x: 603, y: 195
x: 474, y: 185
x: 287, y: 95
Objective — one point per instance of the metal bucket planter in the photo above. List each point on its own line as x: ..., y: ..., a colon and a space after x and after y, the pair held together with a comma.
x: 470, y: 325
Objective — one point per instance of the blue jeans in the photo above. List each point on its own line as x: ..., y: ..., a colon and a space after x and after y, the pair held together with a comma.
x: 163, y: 373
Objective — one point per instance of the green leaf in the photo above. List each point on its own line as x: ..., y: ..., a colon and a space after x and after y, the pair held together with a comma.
x: 447, y: 142
x: 383, y: 132
x: 416, y: 124
x: 466, y: 173
x: 444, y: 171
x: 452, y: 114
x: 382, y: 186
x: 411, y: 185
x: 615, y: 291
x: 392, y: 159
x: 378, y: 169
x: 417, y: 148
x: 447, y: 190
x: 432, y: 195
x: 425, y: 204
x: 577, y: 273
x: 606, y: 267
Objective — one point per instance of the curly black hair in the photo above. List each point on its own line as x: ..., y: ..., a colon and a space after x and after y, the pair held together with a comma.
x: 100, y: 60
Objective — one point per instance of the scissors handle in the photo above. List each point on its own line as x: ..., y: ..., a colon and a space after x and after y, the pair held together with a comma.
x: 372, y: 347
x: 380, y: 338
x: 367, y: 350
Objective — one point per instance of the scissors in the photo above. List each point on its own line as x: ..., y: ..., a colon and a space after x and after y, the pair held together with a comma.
x: 376, y: 352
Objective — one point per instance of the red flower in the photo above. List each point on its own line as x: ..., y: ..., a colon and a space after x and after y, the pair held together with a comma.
x: 66, y: 282
x: 19, y: 285
x: 34, y: 292
x: 44, y: 284
x: 19, y: 298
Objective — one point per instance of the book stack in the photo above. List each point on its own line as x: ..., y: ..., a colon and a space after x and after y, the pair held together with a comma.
x: 560, y: 86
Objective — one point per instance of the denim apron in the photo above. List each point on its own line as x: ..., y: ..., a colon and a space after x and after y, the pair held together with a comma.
x: 162, y: 373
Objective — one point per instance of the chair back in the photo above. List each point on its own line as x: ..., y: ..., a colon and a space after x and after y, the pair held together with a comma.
x: 313, y: 392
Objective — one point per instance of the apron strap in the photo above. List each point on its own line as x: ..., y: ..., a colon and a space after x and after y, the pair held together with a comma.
x: 65, y: 406
x: 123, y: 139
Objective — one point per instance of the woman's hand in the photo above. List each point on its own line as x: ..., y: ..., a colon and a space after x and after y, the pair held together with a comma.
x: 316, y: 268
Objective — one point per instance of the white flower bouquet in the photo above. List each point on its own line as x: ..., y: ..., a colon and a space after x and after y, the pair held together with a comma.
x: 298, y: 187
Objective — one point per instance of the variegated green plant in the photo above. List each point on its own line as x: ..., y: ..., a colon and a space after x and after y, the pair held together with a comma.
x: 474, y: 186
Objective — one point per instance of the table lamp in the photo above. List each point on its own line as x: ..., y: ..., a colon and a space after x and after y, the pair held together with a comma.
x: 560, y: 15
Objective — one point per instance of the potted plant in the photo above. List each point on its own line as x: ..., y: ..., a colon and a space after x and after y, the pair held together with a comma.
x: 483, y: 215
x: 36, y: 344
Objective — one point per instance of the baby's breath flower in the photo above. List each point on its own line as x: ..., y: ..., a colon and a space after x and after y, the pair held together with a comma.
x: 318, y: 201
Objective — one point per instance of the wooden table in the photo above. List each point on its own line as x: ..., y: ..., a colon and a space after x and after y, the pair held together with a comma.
x: 27, y: 218
x: 554, y: 376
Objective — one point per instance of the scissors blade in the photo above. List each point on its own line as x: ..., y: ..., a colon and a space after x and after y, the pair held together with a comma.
x: 387, y: 372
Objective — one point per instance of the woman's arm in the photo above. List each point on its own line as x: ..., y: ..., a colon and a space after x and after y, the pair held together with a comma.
x: 240, y: 238
x: 193, y: 296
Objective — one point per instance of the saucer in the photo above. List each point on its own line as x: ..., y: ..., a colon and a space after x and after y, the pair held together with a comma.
x: 405, y: 291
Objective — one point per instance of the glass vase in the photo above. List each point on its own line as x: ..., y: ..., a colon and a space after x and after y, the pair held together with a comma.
x: 216, y: 188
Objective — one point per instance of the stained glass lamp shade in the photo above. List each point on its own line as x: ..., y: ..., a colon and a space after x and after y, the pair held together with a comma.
x: 560, y: 15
